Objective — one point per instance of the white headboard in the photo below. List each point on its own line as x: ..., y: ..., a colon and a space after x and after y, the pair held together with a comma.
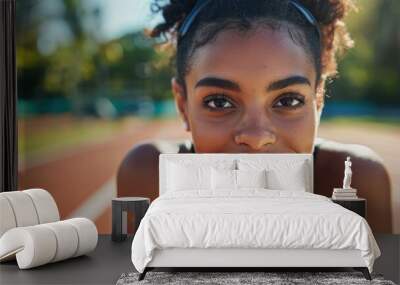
x: 213, y: 158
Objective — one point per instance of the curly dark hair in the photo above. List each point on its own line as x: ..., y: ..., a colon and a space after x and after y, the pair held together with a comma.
x: 242, y: 15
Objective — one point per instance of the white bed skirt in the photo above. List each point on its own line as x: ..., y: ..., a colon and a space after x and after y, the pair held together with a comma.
x: 251, y: 257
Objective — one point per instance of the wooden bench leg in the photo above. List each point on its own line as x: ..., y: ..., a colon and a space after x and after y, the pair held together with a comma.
x: 364, y: 271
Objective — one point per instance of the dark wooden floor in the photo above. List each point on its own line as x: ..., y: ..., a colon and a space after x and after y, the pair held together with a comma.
x: 110, y: 259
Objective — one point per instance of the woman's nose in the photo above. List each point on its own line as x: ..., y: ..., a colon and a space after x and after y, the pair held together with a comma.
x: 255, y: 136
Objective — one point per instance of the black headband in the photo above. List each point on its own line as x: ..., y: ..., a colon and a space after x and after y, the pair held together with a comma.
x: 200, y: 4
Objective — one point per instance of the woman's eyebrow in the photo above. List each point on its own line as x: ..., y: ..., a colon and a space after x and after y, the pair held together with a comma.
x: 218, y: 82
x: 292, y: 80
x: 231, y: 85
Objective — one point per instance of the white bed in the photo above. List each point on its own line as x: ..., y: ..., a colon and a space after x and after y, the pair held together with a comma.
x: 199, y: 226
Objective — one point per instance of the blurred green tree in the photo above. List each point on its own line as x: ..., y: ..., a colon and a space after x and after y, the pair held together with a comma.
x: 371, y: 70
x: 61, y: 53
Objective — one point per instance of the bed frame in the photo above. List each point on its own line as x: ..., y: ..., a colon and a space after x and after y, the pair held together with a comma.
x: 247, y: 259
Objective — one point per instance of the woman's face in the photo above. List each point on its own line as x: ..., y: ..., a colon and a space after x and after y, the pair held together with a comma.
x: 250, y: 93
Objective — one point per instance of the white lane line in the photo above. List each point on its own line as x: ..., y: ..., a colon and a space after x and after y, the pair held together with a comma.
x: 95, y: 206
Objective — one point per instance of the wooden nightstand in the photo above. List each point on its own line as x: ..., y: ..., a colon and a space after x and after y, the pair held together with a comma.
x: 358, y: 205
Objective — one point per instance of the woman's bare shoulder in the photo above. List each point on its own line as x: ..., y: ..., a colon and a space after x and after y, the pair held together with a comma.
x: 139, y: 167
x: 369, y: 170
x: 357, y: 152
x: 367, y: 163
x: 370, y: 178
x: 152, y: 148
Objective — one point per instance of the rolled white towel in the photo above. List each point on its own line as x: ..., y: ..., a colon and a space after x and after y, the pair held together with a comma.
x: 40, y: 244
x: 7, y: 218
x: 46, y: 207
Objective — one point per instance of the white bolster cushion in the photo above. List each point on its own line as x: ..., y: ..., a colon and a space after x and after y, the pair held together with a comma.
x: 33, y: 246
x: 45, y: 205
x: 23, y: 208
x: 7, y: 218
x: 87, y: 235
x: 40, y: 244
x: 66, y: 238
x: 26, y: 208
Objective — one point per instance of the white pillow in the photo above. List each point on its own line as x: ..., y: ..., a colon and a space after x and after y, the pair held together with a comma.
x: 293, y: 178
x: 187, y: 177
x: 251, y: 178
x: 223, y: 179
x: 230, y: 179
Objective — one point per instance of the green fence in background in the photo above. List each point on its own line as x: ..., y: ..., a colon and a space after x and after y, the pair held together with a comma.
x: 101, y: 107
x: 117, y: 107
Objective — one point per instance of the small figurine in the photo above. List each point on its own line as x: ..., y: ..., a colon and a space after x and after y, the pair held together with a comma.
x: 347, y: 174
x: 347, y: 192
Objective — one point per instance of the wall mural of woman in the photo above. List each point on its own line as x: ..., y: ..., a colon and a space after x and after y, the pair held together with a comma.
x: 250, y: 78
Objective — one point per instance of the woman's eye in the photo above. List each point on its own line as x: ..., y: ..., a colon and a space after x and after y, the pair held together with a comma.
x: 218, y: 102
x: 290, y: 102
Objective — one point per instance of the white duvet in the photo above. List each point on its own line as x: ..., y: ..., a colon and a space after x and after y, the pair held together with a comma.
x: 252, y: 218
